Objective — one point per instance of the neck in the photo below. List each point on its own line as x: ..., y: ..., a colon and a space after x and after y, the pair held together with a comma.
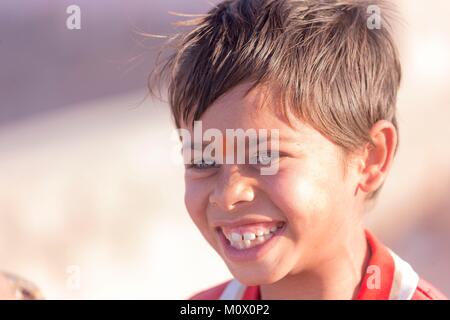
x: 337, y: 278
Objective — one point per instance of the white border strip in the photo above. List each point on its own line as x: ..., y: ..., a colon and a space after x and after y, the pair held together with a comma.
x: 405, y: 280
x: 233, y: 291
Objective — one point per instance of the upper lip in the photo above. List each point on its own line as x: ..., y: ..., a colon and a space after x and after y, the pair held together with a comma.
x: 242, y: 221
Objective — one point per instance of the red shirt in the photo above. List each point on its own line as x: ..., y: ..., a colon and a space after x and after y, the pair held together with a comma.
x: 388, y: 277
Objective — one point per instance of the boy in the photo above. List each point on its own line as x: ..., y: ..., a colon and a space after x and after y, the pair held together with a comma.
x: 322, y: 78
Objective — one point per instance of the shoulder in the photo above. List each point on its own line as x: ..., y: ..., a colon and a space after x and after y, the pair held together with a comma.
x: 213, y: 293
x: 425, y: 291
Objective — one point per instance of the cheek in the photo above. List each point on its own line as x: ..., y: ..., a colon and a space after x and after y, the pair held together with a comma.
x: 193, y: 199
x: 299, y: 198
x: 309, y: 195
x: 196, y: 201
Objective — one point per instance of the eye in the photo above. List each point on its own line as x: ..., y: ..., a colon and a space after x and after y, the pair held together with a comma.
x: 264, y: 158
x: 203, y: 164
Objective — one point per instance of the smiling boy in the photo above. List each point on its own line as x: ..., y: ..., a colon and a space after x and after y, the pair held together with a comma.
x: 327, y: 83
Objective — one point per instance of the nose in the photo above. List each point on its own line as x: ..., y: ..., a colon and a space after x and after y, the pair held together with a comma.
x: 232, y: 189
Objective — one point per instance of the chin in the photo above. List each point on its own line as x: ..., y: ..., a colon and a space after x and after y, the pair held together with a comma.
x: 250, y: 276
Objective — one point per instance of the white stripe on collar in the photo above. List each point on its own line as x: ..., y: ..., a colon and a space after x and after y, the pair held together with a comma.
x: 233, y: 291
x: 405, y: 280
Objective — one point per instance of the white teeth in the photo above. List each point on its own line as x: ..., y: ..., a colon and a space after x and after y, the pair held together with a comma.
x: 250, y: 239
x: 249, y: 236
x: 235, y: 237
x: 260, y: 239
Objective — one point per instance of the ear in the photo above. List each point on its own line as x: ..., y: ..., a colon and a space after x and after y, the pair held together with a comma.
x: 378, y: 157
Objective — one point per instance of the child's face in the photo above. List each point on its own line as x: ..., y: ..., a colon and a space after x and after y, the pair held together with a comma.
x: 311, y: 196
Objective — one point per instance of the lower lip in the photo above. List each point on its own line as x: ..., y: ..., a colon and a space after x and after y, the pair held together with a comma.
x: 250, y: 254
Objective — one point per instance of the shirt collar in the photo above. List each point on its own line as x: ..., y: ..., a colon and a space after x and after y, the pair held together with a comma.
x: 387, y: 277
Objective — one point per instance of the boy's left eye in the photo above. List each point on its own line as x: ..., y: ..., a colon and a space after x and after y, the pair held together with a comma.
x: 264, y: 158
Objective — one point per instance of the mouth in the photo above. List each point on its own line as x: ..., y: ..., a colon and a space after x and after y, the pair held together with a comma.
x: 250, y: 241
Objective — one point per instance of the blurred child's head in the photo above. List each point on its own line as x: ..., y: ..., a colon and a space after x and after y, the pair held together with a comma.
x: 325, y: 74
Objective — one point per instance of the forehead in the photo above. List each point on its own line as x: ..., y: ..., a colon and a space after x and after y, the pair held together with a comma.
x: 257, y: 109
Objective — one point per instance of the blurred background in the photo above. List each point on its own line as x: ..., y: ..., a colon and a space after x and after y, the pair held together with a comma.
x: 91, y: 205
